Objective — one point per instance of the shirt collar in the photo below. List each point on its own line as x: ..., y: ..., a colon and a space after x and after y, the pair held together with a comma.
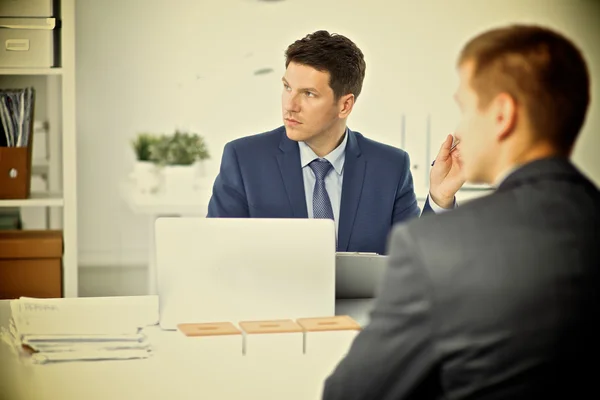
x: 503, y: 176
x: 336, y: 157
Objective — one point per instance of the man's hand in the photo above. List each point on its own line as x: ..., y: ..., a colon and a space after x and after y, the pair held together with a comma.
x: 446, y: 175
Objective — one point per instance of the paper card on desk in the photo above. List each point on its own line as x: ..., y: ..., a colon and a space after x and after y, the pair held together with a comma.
x: 84, y: 315
x: 127, y: 337
x: 43, y: 358
x: 74, y: 346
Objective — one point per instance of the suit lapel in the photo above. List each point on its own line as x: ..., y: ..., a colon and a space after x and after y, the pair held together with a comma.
x: 291, y: 173
x: 354, y: 175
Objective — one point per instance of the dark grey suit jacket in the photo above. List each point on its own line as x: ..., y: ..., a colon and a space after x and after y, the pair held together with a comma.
x: 497, y: 299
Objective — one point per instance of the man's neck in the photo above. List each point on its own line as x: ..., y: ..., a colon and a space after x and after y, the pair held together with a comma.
x: 326, y: 142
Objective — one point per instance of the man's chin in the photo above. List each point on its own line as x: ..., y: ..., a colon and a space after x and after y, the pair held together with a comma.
x: 294, y: 134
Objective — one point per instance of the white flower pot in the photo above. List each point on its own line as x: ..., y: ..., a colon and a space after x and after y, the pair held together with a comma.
x: 179, y: 180
x: 145, y: 177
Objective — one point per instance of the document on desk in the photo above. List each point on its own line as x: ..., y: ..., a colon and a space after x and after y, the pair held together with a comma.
x: 84, y: 315
x: 82, y: 328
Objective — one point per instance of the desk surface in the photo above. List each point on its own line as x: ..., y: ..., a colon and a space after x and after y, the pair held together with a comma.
x: 172, y: 372
x: 357, y: 309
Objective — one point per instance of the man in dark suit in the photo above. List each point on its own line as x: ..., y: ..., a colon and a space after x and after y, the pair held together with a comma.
x: 498, y: 299
x: 316, y: 167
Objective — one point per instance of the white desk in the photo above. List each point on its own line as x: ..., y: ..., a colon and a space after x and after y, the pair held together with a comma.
x: 158, y: 205
x: 172, y: 372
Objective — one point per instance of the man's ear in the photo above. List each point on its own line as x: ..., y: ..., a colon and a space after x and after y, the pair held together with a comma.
x: 504, y: 111
x: 345, y: 103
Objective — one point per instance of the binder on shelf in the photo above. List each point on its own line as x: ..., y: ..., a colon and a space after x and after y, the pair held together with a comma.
x: 16, y: 142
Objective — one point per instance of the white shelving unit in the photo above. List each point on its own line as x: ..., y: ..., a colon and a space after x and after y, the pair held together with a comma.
x: 39, y: 199
x: 32, y: 71
x: 61, y: 166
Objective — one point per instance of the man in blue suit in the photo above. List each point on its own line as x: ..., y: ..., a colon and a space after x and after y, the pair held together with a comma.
x: 314, y: 166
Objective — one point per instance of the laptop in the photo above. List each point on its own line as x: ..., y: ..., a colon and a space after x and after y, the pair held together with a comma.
x: 234, y: 269
x: 358, y: 275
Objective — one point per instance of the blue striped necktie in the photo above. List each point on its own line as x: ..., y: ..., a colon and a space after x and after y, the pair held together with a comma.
x: 321, y: 203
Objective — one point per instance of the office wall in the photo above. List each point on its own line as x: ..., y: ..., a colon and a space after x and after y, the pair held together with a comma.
x: 156, y: 65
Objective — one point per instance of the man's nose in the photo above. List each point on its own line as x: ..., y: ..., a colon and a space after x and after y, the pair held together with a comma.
x: 290, y: 103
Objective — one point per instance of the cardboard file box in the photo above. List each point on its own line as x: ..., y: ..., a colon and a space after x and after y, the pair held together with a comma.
x: 30, y: 264
x: 29, y: 8
x: 268, y: 339
x: 328, y: 339
x: 217, y: 339
x: 15, y: 172
x: 29, y: 42
x: 15, y: 164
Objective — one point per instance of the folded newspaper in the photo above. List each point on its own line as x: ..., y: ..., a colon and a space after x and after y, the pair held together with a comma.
x: 58, y: 330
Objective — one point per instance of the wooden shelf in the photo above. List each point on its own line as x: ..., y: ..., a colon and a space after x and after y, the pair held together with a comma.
x: 31, y: 71
x: 35, y: 200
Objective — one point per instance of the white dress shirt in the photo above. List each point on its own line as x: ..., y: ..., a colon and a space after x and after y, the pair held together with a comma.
x: 437, y: 209
x: 333, y: 180
x: 502, y: 177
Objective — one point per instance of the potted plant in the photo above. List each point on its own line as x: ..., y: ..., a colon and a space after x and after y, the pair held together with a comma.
x: 144, y: 172
x: 180, y: 157
x: 142, y: 144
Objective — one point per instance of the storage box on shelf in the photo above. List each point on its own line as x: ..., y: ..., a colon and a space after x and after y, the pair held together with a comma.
x: 15, y: 172
x: 15, y: 157
x: 30, y: 33
x: 30, y: 264
x: 30, y: 8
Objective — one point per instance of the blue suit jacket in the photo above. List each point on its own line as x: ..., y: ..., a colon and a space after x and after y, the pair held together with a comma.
x: 261, y: 177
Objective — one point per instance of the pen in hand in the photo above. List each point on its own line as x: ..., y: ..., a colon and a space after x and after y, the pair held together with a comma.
x: 451, y: 149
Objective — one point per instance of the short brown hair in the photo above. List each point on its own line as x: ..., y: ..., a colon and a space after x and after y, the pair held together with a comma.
x: 541, y: 69
x: 332, y: 53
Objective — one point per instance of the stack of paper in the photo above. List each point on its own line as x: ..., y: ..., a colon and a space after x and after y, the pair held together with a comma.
x: 106, y: 328
x: 16, y: 107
